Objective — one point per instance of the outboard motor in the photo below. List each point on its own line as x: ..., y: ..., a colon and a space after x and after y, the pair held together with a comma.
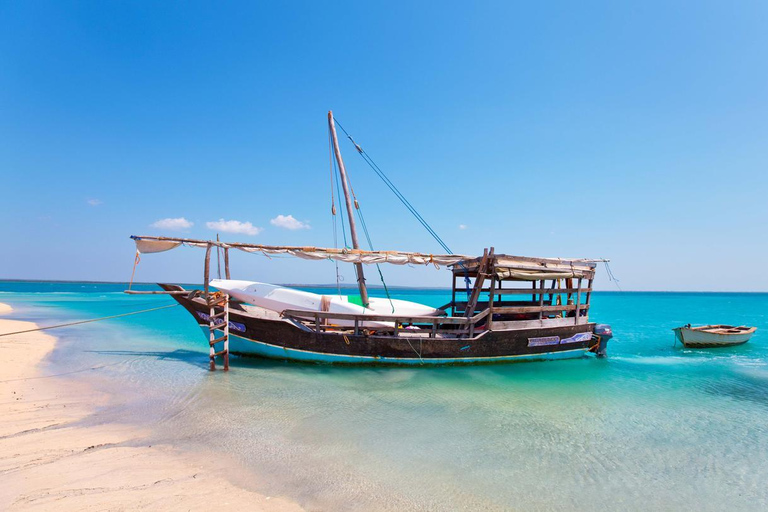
x: 603, y: 333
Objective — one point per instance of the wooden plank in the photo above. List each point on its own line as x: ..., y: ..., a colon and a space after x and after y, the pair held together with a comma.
x: 526, y: 291
x: 472, y: 302
x: 578, y: 300
x: 536, y: 309
x: 491, y: 294
x: 483, y: 304
x: 453, y: 320
x: 505, y: 260
x: 541, y: 297
x: 226, y: 335
x: 152, y: 292
x: 374, y: 318
x: 207, y: 269
x: 453, y: 296
x: 510, y: 325
x: 589, y: 290
x: 350, y: 211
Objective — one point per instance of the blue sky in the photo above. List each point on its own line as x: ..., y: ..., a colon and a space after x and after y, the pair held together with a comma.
x: 635, y: 132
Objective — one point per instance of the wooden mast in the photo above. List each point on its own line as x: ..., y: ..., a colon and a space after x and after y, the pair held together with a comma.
x: 352, y: 229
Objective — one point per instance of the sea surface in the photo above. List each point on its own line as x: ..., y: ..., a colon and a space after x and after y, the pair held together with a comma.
x: 652, y: 427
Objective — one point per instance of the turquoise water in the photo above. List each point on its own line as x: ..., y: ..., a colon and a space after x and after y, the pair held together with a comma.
x: 651, y: 427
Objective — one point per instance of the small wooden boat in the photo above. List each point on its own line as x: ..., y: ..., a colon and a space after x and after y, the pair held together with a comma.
x: 708, y: 336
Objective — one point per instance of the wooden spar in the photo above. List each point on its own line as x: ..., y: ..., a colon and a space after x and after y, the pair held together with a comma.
x: 578, y: 301
x: 350, y: 213
x: 207, y: 270
x: 218, y: 257
x: 482, y: 273
x: 226, y: 263
x: 453, y: 297
x: 491, y: 292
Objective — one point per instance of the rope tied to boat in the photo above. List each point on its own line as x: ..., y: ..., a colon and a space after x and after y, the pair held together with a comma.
x: 68, y: 324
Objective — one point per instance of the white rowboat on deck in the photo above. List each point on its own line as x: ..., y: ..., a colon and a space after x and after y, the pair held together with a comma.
x: 279, y: 298
x: 708, y: 336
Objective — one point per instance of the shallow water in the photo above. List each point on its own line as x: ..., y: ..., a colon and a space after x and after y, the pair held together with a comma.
x: 651, y: 427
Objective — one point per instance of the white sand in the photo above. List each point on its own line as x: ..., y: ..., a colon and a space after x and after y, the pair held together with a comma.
x: 47, y: 461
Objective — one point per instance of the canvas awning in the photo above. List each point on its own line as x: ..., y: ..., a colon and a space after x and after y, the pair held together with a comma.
x: 533, y: 275
x: 146, y: 245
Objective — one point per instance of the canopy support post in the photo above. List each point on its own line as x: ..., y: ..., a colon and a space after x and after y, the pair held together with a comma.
x: 207, y: 270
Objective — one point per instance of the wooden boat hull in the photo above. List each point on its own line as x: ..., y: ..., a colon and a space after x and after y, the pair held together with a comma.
x: 693, y: 338
x: 289, y: 340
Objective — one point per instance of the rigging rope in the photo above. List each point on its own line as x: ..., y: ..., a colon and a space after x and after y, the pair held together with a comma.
x: 331, y: 167
x: 403, y: 200
x: 395, y: 190
x: 370, y: 244
x: 612, y: 277
x: 368, y: 238
x: 89, y: 320
x: 338, y: 192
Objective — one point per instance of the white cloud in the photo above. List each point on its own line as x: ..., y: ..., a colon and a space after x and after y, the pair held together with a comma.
x: 234, y: 226
x: 172, y: 224
x: 94, y: 202
x: 462, y: 226
x: 288, y: 222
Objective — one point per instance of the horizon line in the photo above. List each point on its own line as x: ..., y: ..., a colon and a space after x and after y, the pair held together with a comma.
x: 331, y: 285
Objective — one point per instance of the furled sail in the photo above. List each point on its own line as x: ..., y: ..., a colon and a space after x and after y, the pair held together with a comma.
x: 147, y: 245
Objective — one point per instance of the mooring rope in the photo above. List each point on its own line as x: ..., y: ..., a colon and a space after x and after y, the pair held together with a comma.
x: 89, y: 320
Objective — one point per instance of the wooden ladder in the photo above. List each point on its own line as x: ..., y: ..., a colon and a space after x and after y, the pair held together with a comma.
x: 223, y: 302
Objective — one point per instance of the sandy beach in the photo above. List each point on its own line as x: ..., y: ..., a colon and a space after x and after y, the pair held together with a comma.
x: 49, y: 460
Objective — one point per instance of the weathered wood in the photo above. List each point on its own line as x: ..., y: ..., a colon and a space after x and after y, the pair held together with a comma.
x: 350, y: 213
x: 482, y: 274
x: 211, y: 328
x: 541, y: 298
x: 536, y: 309
x: 527, y: 291
x: 589, y: 290
x: 537, y: 263
x: 385, y: 318
x: 226, y: 334
x: 207, y: 269
x: 226, y: 263
x: 508, y: 338
x: 218, y: 257
x: 218, y: 340
x: 484, y: 305
x: 578, y: 300
x: 213, y: 300
x: 490, y: 293
x: 453, y: 294
x: 152, y: 292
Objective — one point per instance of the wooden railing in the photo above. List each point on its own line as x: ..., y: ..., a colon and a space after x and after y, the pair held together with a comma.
x: 323, y: 321
x: 529, y: 291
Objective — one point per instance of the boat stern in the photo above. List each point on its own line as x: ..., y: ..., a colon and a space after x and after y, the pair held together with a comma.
x: 602, y: 335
